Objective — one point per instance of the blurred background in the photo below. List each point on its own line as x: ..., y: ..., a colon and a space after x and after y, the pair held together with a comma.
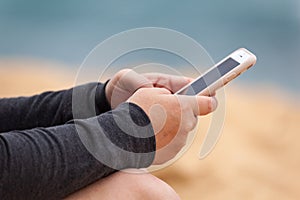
x: 42, y: 44
x: 66, y: 31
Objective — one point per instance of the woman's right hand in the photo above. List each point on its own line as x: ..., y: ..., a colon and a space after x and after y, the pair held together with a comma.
x: 172, y: 117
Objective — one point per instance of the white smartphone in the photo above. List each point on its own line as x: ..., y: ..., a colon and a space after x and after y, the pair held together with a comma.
x: 220, y: 74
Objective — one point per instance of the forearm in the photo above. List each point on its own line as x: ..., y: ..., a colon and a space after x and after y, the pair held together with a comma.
x: 50, y: 163
x: 51, y: 108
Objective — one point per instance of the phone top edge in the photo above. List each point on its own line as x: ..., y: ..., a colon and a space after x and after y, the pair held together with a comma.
x: 243, y: 55
x: 245, y: 60
x: 252, y: 55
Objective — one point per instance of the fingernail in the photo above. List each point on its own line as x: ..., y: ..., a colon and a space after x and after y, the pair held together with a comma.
x: 214, y: 103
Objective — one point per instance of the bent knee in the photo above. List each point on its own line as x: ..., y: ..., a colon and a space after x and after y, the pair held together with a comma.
x: 147, y: 186
x: 123, y: 185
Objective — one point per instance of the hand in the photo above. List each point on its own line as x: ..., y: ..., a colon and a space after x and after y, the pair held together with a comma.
x: 126, y: 82
x: 172, y: 117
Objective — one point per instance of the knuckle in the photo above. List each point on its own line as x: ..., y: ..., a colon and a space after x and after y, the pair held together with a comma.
x: 123, y: 72
x: 188, y: 126
x: 192, y: 125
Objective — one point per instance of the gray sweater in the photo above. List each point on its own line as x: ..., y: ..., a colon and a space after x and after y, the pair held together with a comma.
x: 42, y: 154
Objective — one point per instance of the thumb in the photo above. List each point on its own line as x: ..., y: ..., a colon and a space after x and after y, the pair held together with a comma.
x: 205, y: 105
x: 201, y: 105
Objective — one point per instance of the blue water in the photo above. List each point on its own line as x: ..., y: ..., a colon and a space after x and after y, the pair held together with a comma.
x: 67, y: 30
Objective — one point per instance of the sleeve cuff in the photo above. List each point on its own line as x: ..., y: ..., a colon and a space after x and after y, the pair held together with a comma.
x: 102, y: 105
x: 129, y: 137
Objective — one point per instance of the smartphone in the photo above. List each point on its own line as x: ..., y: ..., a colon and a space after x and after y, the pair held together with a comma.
x: 220, y: 74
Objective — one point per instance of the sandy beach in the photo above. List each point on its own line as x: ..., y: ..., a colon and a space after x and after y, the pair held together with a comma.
x: 257, y: 156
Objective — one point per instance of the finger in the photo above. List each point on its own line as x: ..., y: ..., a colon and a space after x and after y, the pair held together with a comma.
x: 123, y: 85
x: 189, y: 79
x: 201, y: 105
x: 212, y: 94
x: 133, y: 81
x: 170, y: 82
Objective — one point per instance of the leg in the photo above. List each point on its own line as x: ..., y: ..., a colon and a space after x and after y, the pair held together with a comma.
x: 122, y: 185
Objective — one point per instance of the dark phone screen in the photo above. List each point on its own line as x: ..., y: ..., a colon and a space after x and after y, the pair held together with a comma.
x: 210, y: 77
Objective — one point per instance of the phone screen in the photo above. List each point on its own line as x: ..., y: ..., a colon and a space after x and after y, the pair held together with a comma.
x: 210, y: 77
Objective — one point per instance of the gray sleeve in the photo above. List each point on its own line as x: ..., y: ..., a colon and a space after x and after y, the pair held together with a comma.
x: 51, y: 163
x: 51, y: 108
